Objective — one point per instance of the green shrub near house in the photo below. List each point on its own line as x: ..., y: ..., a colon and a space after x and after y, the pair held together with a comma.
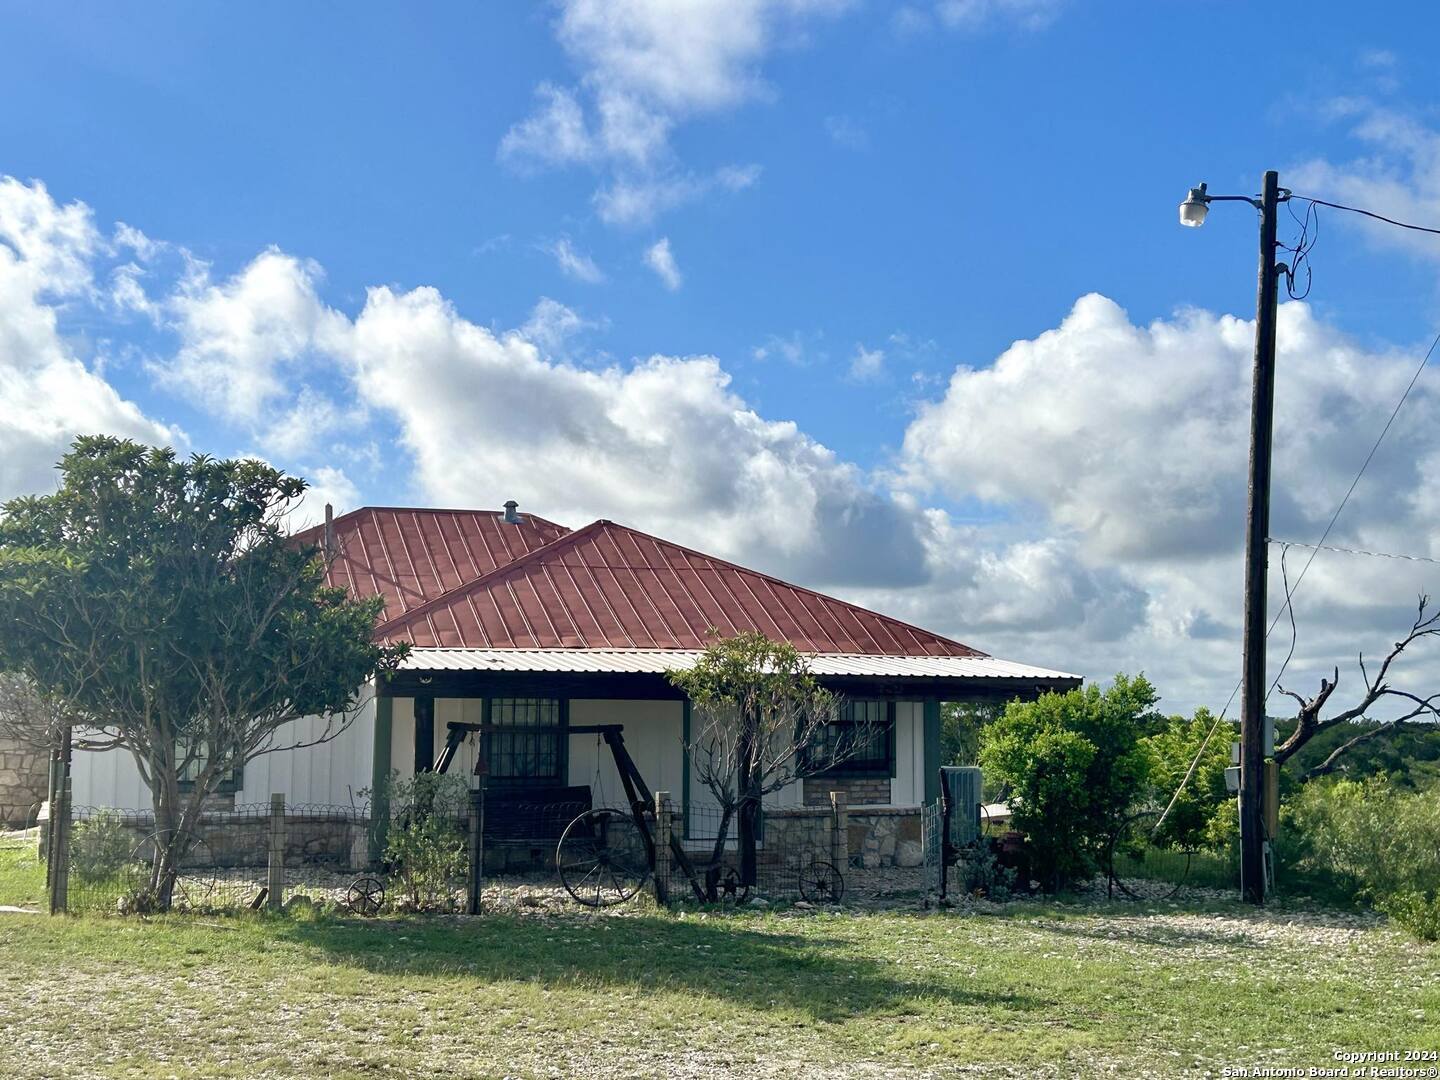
x: 1074, y: 767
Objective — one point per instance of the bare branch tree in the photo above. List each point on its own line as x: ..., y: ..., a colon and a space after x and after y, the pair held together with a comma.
x: 760, y: 722
x: 1309, y: 722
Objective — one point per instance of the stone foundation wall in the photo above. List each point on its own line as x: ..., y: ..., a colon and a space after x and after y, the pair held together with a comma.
x: 859, y: 790
x: 24, y: 775
x: 885, y: 836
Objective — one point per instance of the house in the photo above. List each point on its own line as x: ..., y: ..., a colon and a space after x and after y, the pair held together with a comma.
x: 521, y: 623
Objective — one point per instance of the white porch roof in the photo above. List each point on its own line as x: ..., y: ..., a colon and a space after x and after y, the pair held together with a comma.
x: 658, y: 661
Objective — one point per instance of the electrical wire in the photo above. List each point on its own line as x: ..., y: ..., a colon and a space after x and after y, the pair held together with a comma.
x: 1315, y: 550
x: 1367, y: 213
x: 1357, y: 551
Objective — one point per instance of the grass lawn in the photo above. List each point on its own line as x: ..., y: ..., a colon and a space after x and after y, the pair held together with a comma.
x: 1049, y: 989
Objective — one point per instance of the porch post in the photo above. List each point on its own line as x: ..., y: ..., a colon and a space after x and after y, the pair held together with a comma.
x: 380, y: 776
x: 931, y: 757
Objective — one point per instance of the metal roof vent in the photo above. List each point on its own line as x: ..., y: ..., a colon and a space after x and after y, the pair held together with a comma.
x: 512, y: 512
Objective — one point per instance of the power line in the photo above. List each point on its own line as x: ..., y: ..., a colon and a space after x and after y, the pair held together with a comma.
x: 1368, y: 213
x: 1356, y: 551
x: 1318, y: 546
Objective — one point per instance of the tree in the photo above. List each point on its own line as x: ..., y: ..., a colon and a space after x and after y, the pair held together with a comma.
x: 161, y: 605
x: 961, y: 723
x: 1308, y: 721
x: 760, y: 721
x: 1188, y: 759
x: 1074, y: 766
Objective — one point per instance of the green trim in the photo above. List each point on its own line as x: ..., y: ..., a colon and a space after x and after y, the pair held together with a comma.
x: 685, y: 765
x: 930, y: 762
x: 380, y: 776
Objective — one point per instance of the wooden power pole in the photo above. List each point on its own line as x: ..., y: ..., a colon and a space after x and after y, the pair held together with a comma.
x: 1253, y: 724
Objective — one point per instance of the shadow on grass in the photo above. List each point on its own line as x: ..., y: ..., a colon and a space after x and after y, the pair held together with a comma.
x: 761, y: 969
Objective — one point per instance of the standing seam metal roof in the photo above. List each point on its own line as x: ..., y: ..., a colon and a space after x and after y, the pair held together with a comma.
x: 411, y: 555
x: 606, y: 586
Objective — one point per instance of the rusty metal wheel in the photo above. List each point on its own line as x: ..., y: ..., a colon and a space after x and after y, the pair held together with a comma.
x: 603, y: 858
x: 731, y: 886
x: 366, y: 895
x: 821, y: 883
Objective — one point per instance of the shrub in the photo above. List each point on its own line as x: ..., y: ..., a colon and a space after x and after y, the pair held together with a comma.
x: 100, y: 847
x: 1203, y: 817
x: 426, y: 841
x: 1369, y: 841
x: 1073, y: 766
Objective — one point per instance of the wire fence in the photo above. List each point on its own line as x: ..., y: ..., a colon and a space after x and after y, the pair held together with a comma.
x: 487, y: 850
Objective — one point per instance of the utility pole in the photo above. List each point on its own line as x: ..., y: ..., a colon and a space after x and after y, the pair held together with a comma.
x: 1253, y: 725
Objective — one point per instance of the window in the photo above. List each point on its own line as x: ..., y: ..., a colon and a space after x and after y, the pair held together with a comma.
x: 861, y: 741
x: 229, y: 784
x: 525, y: 742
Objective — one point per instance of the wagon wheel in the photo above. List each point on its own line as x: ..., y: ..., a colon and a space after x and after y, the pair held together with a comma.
x: 821, y: 883
x: 1132, y: 840
x: 603, y: 858
x: 732, y: 887
x: 366, y: 895
x: 194, y: 887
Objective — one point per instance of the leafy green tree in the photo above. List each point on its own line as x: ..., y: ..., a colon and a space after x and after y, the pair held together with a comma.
x: 1073, y: 767
x: 961, y: 723
x: 160, y: 604
x: 759, y: 721
x: 1202, y: 813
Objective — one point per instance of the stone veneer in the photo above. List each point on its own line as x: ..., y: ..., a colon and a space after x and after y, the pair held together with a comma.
x: 24, y: 775
x: 877, y: 836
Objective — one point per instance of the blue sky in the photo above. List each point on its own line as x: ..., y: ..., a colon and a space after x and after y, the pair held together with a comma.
x: 857, y: 199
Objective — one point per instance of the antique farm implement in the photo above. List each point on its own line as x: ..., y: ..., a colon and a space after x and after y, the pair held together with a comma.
x: 605, y: 855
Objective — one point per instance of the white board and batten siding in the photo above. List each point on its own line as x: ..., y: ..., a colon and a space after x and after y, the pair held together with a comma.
x: 331, y: 773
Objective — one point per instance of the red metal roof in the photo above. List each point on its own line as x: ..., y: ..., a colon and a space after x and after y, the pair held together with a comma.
x: 411, y: 555
x: 608, y: 586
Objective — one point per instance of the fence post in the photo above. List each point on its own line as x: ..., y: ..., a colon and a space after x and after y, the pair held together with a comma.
x: 276, y: 881
x: 664, y: 822
x: 474, y: 880
x: 839, y: 831
x: 59, y: 868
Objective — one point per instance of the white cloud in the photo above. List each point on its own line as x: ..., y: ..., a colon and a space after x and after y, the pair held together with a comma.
x: 1398, y: 176
x: 555, y: 134
x: 646, y: 66
x: 638, y: 201
x: 239, y: 337
x: 573, y: 262
x: 47, y: 394
x: 867, y: 364
x: 1129, y: 443
x: 659, y: 258
x: 552, y: 326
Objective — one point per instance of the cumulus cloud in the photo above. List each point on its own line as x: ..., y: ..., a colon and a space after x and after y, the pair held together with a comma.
x: 1130, y: 442
x: 238, y: 337
x: 47, y: 393
x: 658, y: 257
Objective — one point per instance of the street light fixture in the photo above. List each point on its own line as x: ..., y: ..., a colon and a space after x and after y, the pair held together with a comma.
x: 1253, y: 734
x: 1195, y: 207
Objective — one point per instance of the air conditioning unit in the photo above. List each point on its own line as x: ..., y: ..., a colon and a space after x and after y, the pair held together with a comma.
x: 961, y: 788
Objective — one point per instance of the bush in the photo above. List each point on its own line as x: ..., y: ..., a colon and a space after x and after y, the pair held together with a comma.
x: 426, y: 842
x: 100, y: 847
x: 1203, y: 817
x: 1073, y: 767
x: 1369, y: 841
